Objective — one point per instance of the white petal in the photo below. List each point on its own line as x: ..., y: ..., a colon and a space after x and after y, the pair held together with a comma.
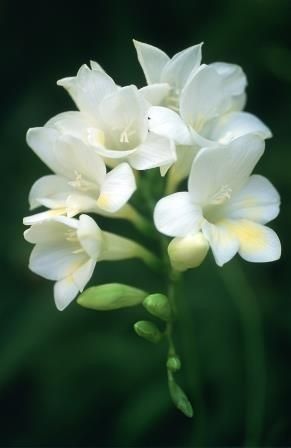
x: 117, y: 188
x: 152, y: 61
x: 166, y: 122
x: 51, y: 230
x: 203, y: 98
x: 258, y: 201
x: 176, y: 215
x: 182, y: 167
x: 72, y: 123
x: 96, y: 66
x: 224, y: 244
x: 42, y: 141
x: 156, y: 151
x: 65, y: 291
x: 50, y: 191
x: 226, y: 167
x: 178, y: 70
x: 56, y: 261
x: 90, y: 236
x: 258, y: 243
x: 82, y: 275
x: 125, y: 111
x: 43, y: 216
x: 88, y: 88
x: 155, y: 93
x: 75, y: 158
x: 235, y: 124
x: 233, y: 75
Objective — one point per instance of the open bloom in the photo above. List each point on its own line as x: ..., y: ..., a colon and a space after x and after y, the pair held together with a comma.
x: 113, y: 120
x: 80, y: 182
x: 166, y: 77
x: 67, y: 250
x: 210, y: 114
x: 224, y: 202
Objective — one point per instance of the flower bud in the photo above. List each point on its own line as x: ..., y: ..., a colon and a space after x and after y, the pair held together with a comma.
x: 188, y: 252
x: 147, y: 330
x: 111, y: 297
x: 173, y: 363
x: 158, y: 305
x: 179, y: 397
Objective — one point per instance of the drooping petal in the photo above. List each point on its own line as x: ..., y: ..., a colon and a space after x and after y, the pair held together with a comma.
x: 65, y: 291
x: 178, y: 70
x: 50, y: 191
x: 258, y: 243
x: 224, y: 169
x: 257, y: 201
x: 155, y: 93
x: 155, y: 151
x: 203, y: 98
x: 118, y: 187
x: 176, y: 215
x: 88, y: 89
x: 235, y: 124
x: 90, y: 236
x: 224, y: 244
x: 43, y: 216
x: 56, y: 261
x: 166, y: 122
x: 152, y: 61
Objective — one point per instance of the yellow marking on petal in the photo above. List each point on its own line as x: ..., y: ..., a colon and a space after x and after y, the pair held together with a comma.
x: 250, y: 235
x: 103, y: 201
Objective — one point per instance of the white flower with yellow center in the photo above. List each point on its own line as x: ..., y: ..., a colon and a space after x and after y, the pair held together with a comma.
x: 80, y: 182
x: 225, y: 205
x: 113, y: 120
x: 67, y: 250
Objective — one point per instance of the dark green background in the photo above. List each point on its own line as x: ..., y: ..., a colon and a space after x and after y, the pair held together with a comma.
x: 81, y: 378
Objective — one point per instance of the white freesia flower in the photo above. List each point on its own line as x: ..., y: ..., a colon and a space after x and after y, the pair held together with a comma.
x: 166, y: 77
x: 113, y: 120
x: 67, y: 250
x: 209, y: 114
x: 226, y: 204
x: 80, y: 182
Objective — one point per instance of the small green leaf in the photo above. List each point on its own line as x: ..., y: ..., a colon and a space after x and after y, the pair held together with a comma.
x: 179, y: 397
x: 158, y: 305
x: 111, y: 297
x: 147, y: 330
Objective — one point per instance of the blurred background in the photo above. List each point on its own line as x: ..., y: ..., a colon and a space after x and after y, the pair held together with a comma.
x: 82, y: 378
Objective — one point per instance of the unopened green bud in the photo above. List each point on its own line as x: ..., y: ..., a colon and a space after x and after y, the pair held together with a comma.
x: 147, y: 330
x: 111, y: 297
x: 173, y: 363
x: 188, y: 252
x: 158, y: 305
x: 179, y: 397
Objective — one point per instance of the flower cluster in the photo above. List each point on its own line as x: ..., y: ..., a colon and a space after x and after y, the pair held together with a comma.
x: 188, y: 121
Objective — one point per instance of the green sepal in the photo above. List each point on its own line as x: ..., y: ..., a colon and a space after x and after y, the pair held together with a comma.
x: 111, y: 296
x: 158, y: 305
x: 148, y: 330
x: 173, y: 363
x: 179, y: 397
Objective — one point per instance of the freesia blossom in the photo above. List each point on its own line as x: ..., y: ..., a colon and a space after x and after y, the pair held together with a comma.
x: 80, y: 182
x: 166, y: 77
x: 67, y: 250
x: 227, y: 204
x: 113, y: 120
